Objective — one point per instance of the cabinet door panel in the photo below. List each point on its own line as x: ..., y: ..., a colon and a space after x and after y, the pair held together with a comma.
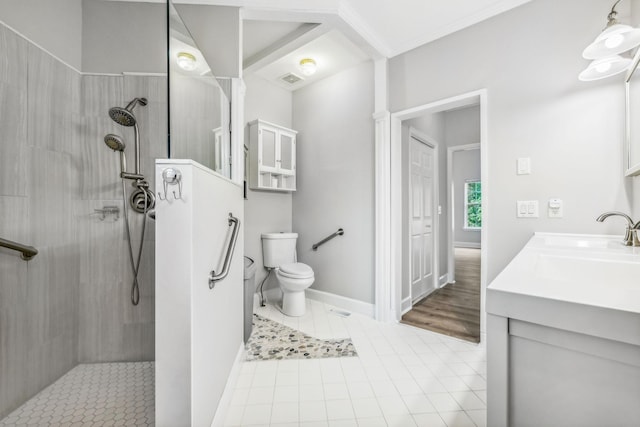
x: 268, y: 138
x: 287, y: 152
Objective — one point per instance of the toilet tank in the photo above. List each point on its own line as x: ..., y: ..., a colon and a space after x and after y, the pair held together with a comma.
x: 278, y: 248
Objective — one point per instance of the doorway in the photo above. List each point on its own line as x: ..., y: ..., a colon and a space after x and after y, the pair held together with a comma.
x: 473, y: 265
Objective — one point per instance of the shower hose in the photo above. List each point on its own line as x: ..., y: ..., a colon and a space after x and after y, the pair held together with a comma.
x: 135, y: 263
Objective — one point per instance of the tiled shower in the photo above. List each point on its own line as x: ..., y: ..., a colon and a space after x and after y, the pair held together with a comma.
x: 69, y: 305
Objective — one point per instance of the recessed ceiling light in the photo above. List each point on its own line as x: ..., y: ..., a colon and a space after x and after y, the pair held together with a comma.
x: 186, y: 61
x: 308, y: 66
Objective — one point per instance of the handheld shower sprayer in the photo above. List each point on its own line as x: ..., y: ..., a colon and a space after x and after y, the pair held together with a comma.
x: 116, y: 143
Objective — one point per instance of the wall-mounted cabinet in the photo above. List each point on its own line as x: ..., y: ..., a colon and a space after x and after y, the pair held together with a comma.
x: 272, y: 157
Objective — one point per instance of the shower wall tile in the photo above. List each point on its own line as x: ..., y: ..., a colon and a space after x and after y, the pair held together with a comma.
x: 13, y: 139
x: 99, y: 93
x: 50, y: 216
x: 106, y: 312
x: 100, y: 166
x: 38, y: 298
x: 13, y: 62
x: 53, y: 89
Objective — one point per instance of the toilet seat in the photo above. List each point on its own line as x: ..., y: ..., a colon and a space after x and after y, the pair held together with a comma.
x: 296, y: 270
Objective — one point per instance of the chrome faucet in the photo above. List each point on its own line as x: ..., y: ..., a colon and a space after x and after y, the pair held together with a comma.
x: 631, y: 233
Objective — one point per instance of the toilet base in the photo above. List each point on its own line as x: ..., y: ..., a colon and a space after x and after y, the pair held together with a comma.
x: 293, y: 303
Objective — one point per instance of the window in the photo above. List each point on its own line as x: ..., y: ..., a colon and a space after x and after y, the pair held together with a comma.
x: 472, y: 205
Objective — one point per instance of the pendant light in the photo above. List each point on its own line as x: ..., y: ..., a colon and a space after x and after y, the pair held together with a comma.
x: 605, y: 67
x: 615, y: 39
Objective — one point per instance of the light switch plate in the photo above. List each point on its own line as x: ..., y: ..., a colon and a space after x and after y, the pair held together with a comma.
x: 527, y: 209
x: 524, y: 166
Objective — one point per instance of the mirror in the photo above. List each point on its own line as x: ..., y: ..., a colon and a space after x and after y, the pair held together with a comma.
x: 199, y: 110
x: 632, y: 137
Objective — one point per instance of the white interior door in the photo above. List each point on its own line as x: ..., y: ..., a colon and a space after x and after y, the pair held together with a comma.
x: 422, y: 218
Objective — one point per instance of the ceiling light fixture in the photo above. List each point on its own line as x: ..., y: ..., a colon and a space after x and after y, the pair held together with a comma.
x: 186, y: 61
x: 615, y: 39
x: 308, y: 66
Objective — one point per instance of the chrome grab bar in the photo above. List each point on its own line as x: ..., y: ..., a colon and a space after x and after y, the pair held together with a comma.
x: 340, y: 232
x: 213, y: 277
x: 28, y: 252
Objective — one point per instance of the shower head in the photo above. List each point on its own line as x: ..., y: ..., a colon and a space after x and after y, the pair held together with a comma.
x: 114, y: 142
x: 124, y: 116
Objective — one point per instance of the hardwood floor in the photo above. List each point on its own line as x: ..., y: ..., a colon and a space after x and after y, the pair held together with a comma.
x: 454, y: 309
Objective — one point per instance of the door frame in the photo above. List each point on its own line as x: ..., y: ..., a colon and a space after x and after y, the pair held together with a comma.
x: 388, y: 256
x: 435, y: 225
x: 451, y: 259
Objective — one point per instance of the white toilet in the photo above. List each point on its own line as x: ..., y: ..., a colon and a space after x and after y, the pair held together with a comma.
x: 279, y: 252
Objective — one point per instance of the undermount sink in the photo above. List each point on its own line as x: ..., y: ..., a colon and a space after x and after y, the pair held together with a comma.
x: 570, y: 270
x: 588, y: 274
x: 580, y: 241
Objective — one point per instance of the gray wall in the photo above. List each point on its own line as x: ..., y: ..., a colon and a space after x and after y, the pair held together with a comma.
x: 336, y: 180
x: 54, y: 25
x: 265, y: 211
x: 462, y: 127
x: 536, y: 108
x: 123, y: 37
x: 466, y: 166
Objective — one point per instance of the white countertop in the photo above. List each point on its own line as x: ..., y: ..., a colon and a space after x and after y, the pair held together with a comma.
x: 582, y: 283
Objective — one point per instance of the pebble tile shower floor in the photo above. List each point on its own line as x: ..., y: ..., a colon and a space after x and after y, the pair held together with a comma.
x: 93, y: 395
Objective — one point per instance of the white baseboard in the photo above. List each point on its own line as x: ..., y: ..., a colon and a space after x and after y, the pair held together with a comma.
x: 444, y: 279
x: 274, y: 295
x: 339, y: 301
x: 471, y: 245
x: 406, y: 305
x: 227, y: 394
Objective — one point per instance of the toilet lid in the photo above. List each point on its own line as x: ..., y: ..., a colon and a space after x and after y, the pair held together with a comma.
x: 296, y: 269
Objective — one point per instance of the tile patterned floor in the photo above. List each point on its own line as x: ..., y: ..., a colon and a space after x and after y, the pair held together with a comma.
x: 93, y: 395
x: 403, y: 377
x: 272, y: 340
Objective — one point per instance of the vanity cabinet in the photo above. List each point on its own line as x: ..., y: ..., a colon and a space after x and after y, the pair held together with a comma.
x: 272, y: 157
x: 563, y: 335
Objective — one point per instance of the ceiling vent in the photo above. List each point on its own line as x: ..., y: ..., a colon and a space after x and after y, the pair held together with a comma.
x: 291, y: 78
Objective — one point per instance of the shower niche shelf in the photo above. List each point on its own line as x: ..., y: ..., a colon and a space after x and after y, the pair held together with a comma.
x: 272, y: 157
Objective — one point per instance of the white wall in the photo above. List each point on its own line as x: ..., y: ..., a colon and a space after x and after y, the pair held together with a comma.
x: 54, y: 25
x: 529, y: 59
x: 265, y: 211
x: 198, y: 329
x: 466, y: 167
x: 335, y: 170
